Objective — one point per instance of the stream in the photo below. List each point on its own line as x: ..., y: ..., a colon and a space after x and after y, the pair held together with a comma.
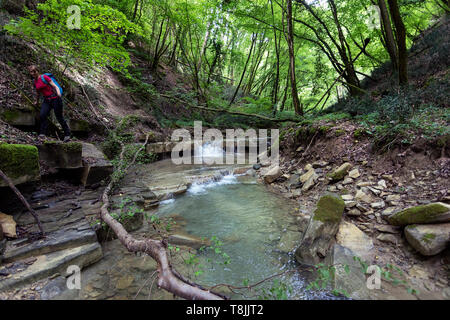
x: 243, y: 214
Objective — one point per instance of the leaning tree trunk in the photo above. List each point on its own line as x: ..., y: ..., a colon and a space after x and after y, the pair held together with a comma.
x: 23, y: 200
x: 245, y: 69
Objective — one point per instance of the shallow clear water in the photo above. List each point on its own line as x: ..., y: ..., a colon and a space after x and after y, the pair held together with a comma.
x: 249, y: 221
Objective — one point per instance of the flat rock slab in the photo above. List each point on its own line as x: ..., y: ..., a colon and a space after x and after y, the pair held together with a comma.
x: 55, y: 241
x: 49, y: 264
x: 351, y: 237
x: 188, y: 240
x: 169, y: 191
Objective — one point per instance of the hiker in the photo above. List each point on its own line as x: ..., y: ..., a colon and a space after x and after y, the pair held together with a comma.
x: 52, y: 100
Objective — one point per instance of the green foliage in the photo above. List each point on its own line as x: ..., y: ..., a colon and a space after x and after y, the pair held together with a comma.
x: 120, y: 134
x: 324, y: 275
x: 127, y: 209
x: 278, y: 291
x: 97, y: 42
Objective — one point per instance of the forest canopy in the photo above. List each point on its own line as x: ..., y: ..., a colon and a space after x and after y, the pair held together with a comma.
x: 270, y: 56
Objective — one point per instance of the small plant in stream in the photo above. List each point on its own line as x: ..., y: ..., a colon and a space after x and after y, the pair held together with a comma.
x: 278, y: 291
x: 127, y: 209
x: 326, y: 273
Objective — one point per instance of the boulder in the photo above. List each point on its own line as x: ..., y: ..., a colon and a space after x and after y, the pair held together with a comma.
x: 319, y: 164
x: 348, y: 276
x: 79, y: 126
x: 361, y: 196
x: 389, y: 238
x: 95, y: 165
x: 272, y: 175
x: 428, y: 213
x: 321, y: 230
x: 340, y: 173
x: 19, y: 162
x: 188, y: 240
x: 289, y: 241
x: 354, y: 173
x: 256, y: 166
x: 428, y: 239
x: 351, y: 237
x: 61, y: 155
x: 8, y: 225
x: 378, y: 205
x: 19, y: 117
x: 305, y: 177
x: 309, y: 183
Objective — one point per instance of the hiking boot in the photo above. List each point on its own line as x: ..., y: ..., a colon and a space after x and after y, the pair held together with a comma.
x: 66, y: 138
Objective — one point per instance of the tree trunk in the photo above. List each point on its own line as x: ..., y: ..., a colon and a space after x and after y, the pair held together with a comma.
x: 245, y: 69
x: 277, y: 73
x: 344, y: 51
x: 295, y: 100
x: 389, y: 35
x: 401, y: 42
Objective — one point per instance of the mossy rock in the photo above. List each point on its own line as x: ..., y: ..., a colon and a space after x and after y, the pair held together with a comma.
x: 19, y: 162
x: 329, y: 208
x: 61, y: 155
x: 19, y: 117
x: 324, y: 129
x: 428, y: 213
x: 67, y: 147
x: 79, y: 125
x: 340, y: 172
x: 428, y: 239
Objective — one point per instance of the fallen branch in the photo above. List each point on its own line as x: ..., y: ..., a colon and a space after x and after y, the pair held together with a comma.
x: 168, y: 278
x: 230, y: 112
x: 23, y: 200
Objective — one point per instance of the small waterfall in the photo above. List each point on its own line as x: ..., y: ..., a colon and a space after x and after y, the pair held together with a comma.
x: 210, y: 150
x: 201, y: 186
